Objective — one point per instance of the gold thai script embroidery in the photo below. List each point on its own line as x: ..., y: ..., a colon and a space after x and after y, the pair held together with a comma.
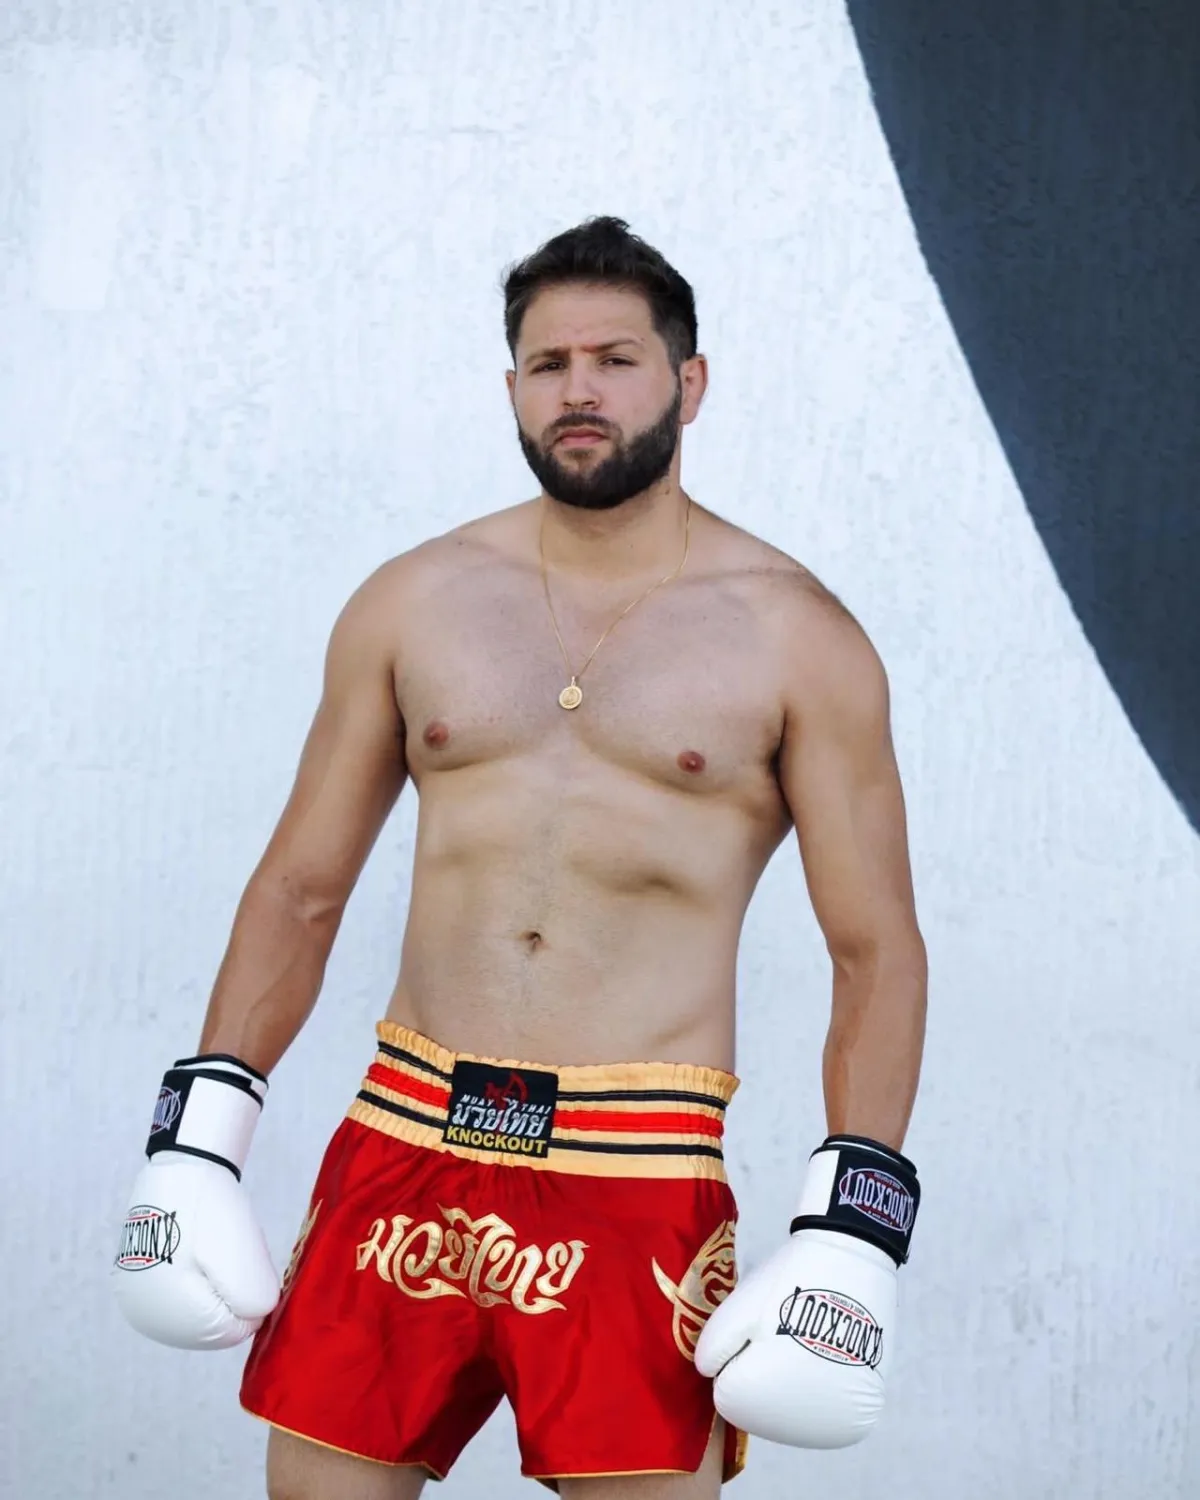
x: 476, y: 1258
x: 706, y: 1283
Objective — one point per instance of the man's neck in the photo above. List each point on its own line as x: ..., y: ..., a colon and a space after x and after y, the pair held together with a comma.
x: 632, y: 539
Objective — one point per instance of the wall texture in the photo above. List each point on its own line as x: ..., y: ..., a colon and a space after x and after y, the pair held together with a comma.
x: 248, y: 260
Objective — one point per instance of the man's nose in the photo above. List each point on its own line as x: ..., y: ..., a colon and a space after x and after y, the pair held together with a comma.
x: 578, y: 387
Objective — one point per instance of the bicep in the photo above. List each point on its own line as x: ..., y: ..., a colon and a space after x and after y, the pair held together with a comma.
x: 841, y: 782
x: 351, y: 769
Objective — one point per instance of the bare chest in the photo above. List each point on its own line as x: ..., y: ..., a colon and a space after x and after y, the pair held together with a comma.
x: 683, y: 692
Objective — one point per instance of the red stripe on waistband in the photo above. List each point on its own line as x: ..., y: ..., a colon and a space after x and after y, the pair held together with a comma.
x: 666, y: 1121
x: 401, y: 1083
x: 683, y: 1122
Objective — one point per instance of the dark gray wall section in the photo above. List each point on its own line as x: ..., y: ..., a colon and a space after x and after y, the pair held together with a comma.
x: 1050, y: 154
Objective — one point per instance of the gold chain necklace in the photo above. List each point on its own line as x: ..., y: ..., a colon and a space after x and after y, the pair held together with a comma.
x: 572, y: 695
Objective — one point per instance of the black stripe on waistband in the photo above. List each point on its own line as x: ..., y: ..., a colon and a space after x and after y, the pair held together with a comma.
x: 650, y: 1096
x: 379, y: 1102
x: 652, y: 1149
x: 417, y: 1062
x: 575, y: 1095
x: 656, y: 1096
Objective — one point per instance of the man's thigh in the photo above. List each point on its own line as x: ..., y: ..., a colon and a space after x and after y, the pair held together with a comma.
x: 704, y: 1484
x: 300, y: 1470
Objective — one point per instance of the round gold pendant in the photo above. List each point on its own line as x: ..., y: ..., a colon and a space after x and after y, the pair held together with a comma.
x: 571, y: 696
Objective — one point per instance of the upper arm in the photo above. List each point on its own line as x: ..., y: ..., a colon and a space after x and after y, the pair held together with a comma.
x: 352, y: 766
x: 839, y: 777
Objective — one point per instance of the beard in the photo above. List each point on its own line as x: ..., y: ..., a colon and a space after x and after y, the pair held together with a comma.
x: 630, y: 468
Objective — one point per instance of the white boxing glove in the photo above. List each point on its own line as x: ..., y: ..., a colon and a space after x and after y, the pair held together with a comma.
x: 800, y: 1348
x: 193, y: 1270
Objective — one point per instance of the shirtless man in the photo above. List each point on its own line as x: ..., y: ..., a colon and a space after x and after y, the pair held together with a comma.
x: 613, y: 705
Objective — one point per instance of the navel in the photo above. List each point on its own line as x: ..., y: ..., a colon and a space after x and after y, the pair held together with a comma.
x: 691, y: 760
x: 436, y: 734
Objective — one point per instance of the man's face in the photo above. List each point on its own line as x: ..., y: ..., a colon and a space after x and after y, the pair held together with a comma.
x: 589, y: 358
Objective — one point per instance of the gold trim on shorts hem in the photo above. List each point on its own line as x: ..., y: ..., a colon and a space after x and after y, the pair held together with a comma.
x: 739, y: 1464
x: 386, y: 1463
x: 740, y: 1448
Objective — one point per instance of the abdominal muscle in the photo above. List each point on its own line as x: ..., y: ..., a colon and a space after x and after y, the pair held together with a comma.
x: 600, y: 926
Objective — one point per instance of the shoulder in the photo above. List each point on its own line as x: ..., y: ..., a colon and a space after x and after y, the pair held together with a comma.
x: 408, y: 577
x: 823, y: 655
x: 387, y: 606
x: 788, y: 596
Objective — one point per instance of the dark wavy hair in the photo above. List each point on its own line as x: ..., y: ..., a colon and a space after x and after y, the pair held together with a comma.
x: 602, y: 252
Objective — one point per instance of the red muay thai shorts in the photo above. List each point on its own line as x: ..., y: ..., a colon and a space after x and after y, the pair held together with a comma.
x: 483, y: 1229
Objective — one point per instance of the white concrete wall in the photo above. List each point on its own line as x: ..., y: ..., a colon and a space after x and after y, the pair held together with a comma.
x: 248, y: 259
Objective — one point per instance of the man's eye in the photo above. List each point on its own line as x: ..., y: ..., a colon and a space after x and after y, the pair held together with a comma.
x: 553, y: 364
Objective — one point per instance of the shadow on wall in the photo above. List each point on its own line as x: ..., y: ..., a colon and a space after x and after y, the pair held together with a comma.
x: 1050, y: 155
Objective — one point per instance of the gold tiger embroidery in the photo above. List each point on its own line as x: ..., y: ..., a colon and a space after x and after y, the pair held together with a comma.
x: 706, y: 1283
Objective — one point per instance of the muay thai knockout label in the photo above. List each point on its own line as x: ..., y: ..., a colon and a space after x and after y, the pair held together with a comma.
x: 501, y: 1109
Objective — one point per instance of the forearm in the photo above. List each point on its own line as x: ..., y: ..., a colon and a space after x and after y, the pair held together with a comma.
x: 269, y: 979
x: 872, y: 1059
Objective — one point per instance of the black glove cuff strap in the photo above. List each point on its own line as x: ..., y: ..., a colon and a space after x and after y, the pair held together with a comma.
x: 873, y: 1197
x: 857, y: 1140
x: 225, y: 1057
x: 170, y: 1109
x: 221, y: 1161
x: 859, y: 1232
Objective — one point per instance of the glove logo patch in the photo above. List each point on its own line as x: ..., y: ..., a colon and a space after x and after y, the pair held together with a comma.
x: 706, y: 1283
x: 878, y: 1196
x: 833, y: 1326
x: 166, y: 1109
x: 149, y: 1237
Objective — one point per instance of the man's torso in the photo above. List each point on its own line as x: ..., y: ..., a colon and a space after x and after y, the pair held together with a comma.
x: 581, y: 877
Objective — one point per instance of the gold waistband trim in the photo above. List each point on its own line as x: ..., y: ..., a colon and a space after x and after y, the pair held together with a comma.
x: 631, y: 1120
x: 646, y: 1077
